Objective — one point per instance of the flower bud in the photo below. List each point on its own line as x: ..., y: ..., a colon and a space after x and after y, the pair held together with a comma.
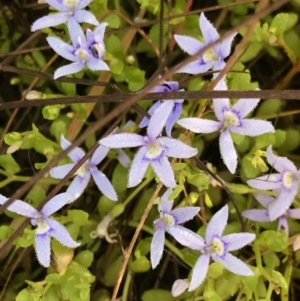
x: 179, y: 286
x: 33, y: 94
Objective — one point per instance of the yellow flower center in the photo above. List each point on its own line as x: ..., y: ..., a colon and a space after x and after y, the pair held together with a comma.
x: 168, y: 220
x: 154, y: 150
x: 210, y: 55
x: 83, y: 169
x: 42, y: 226
x: 288, y: 178
x: 82, y: 54
x: 70, y: 3
x: 230, y: 119
x: 217, y: 247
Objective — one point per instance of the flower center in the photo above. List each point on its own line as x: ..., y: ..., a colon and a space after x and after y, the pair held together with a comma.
x: 168, y: 220
x: 83, y: 169
x: 217, y: 247
x: 82, y: 54
x: 288, y: 178
x: 154, y: 150
x: 71, y: 3
x: 42, y: 226
x: 230, y: 119
x: 210, y: 55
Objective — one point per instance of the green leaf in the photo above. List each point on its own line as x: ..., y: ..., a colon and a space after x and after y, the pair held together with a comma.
x: 85, y: 258
x: 26, y: 239
x: 269, y: 107
x: 215, y: 270
x: 251, y: 282
x: 151, y: 5
x: 36, y: 195
x: 12, y: 137
x: 271, y: 260
x: 78, y: 217
x: 9, y: 164
x: 176, y: 191
x: 279, y: 279
x: 143, y: 248
x: 113, y: 21
x: 112, y: 271
x: 283, y: 22
x: 134, y: 77
x: 119, y: 181
x: 292, y: 141
x: 140, y: 265
x: 274, y: 240
x: 251, y: 52
x: 157, y: 294
x: 264, y: 140
x: 39, y: 58
x: 199, y: 180
x: 280, y: 137
x: 51, y: 112
x: 5, y: 232
x: 24, y: 295
x: 68, y: 88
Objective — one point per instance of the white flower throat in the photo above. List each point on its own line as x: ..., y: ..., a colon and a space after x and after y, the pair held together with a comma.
x: 82, y: 54
x: 168, y: 220
x: 210, y: 55
x: 217, y: 247
x: 154, y: 150
x: 83, y: 169
x: 230, y: 119
x: 71, y: 3
x: 42, y: 226
x: 288, y: 179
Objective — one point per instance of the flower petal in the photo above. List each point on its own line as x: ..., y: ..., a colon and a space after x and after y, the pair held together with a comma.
x: 283, y: 202
x: 188, y: 44
x: 63, y: 49
x: 56, y: 203
x: 123, y: 158
x: 253, y: 127
x: 228, y: 151
x: 61, y: 234
x: 164, y: 171
x: 199, y: 271
x: 174, y: 116
x: 157, y: 247
x: 23, y: 208
x: 293, y: 213
x: 195, y: 67
x: 159, y: 118
x: 68, y: 69
x: 50, y: 21
x: 177, y: 149
x: 281, y: 164
x: 99, y: 154
x: 208, y: 31
x: 145, y: 120
x: 264, y: 200
x: 233, y: 264
x: 76, y: 154
x: 138, y: 168
x: 165, y: 205
x: 221, y: 104
x: 78, y: 186
x: 99, y: 31
x: 216, y: 225
x: 104, y: 185
x: 43, y: 249
x: 244, y: 106
x: 76, y: 33
x: 283, y: 224
x: 83, y: 3
x: 225, y: 46
x: 85, y: 16
x: 198, y: 125
x: 186, y: 237
x: 61, y: 171
x: 3, y: 199
x: 257, y: 215
x: 58, y: 5
x: 267, y: 182
x: 123, y: 140
x: 184, y: 214
x: 97, y: 64
x: 236, y: 241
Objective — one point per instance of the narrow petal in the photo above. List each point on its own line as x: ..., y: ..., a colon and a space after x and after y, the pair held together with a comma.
x: 145, y: 120
x: 283, y: 202
x: 173, y: 85
x: 267, y: 182
x: 68, y: 69
x: 186, y: 237
x: 23, y: 208
x: 99, y: 154
x: 184, y: 214
x: 174, y: 116
x: 281, y: 164
x: 123, y: 140
x: 209, y: 33
x: 225, y: 46
x: 85, y: 16
x: 58, y: 5
x: 63, y: 49
x: 3, y: 199
x: 236, y: 241
x: 138, y: 168
x: 195, y: 67
x: 76, y: 33
x: 228, y: 151
x: 264, y: 200
x: 216, y: 225
x: 244, y: 106
x: 221, y: 104
x: 253, y: 127
x: 165, y: 205
x: 159, y: 118
x: 218, y: 66
x: 104, y: 185
x: 56, y: 203
x: 83, y: 3
x: 76, y: 154
x: 293, y: 213
x: 198, y: 125
x: 123, y: 158
x: 164, y: 171
x: 42, y: 249
x: 177, y: 149
x: 157, y: 247
x: 257, y: 215
x: 50, y: 21
x: 233, y: 264
x: 61, y: 171
x: 188, y: 44
x: 199, y: 271
x: 97, y: 64
x: 78, y: 186
x: 61, y: 234
x: 283, y: 224
x: 99, y: 31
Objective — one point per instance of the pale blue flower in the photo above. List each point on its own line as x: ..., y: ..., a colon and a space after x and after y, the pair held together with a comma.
x: 68, y: 10
x: 154, y: 150
x: 213, y: 57
x: 217, y: 247
x: 169, y: 222
x: 230, y: 119
x: 86, y: 51
x: 179, y: 286
x: 46, y: 226
x: 262, y: 215
x: 176, y: 108
x: 85, y: 172
x: 286, y: 183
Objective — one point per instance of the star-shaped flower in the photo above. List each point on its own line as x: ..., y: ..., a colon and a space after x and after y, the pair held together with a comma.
x: 262, y: 215
x: 175, y: 105
x: 68, y: 10
x: 169, y: 222
x: 86, y: 51
x: 84, y: 173
x: 154, y: 150
x: 230, y: 119
x: 218, y: 247
x: 213, y: 57
x: 286, y: 183
x: 46, y: 226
